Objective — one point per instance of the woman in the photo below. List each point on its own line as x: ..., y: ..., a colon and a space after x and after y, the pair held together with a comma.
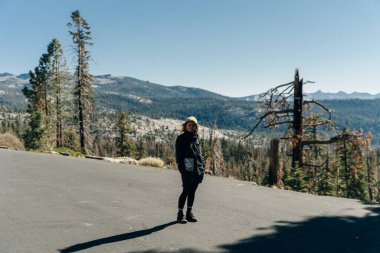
x: 191, y: 165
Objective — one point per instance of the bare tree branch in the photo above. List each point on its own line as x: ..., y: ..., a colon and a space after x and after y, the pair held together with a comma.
x: 332, y: 140
x: 278, y: 123
x: 253, y: 129
x: 317, y: 103
x: 262, y: 117
x: 326, y: 122
x: 281, y: 85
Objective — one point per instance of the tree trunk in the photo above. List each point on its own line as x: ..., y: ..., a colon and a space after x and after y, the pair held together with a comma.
x: 369, y: 176
x: 346, y: 169
x: 58, y: 110
x: 297, y: 121
x: 80, y: 103
x: 274, y: 166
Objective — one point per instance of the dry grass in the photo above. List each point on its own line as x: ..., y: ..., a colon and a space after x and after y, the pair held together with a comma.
x: 152, y: 161
x: 9, y: 140
x: 128, y: 160
x: 125, y: 160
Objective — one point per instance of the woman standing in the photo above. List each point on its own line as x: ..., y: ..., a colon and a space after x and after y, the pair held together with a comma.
x: 191, y: 165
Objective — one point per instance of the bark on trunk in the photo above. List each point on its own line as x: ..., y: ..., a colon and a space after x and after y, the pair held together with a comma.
x: 297, y: 123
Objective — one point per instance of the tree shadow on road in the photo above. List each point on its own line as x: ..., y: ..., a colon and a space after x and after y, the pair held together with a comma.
x: 343, y: 234
x: 115, y: 238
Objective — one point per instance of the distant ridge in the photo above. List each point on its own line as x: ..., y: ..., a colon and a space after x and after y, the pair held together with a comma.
x: 23, y: 76
x: 320, y: 95
x: 146, y: 88
x: 5, y: 74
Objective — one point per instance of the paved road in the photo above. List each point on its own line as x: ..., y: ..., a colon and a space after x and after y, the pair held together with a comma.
x: 51, y: 203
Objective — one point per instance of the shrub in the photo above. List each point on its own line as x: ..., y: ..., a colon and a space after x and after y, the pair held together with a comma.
x: 9, y: 140
x: 152, y: 161
x: 170, y: 162
x: 128, y: 160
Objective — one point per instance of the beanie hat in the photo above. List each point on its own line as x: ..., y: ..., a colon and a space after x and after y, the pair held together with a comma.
x: 192, y: 119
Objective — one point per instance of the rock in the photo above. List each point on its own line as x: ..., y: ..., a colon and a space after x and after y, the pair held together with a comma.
x: 94, y: 157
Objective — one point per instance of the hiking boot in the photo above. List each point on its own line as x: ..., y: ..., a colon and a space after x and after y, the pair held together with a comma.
x: 181, y: 218
x: 190, y: 217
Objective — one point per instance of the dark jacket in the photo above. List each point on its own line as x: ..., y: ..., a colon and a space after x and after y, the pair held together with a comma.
x: 189, y: 154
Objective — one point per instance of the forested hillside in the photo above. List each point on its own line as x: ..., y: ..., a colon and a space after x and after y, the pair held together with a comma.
x: 155, y: 100
x: 356, y: 113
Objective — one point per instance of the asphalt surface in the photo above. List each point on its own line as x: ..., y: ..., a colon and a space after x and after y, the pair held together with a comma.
x: 52, y: 203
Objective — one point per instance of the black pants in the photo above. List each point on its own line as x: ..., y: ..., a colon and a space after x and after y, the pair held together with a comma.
x: 190, y: 184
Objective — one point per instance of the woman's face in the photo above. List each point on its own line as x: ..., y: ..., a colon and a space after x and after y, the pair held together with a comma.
x: 191, y: 127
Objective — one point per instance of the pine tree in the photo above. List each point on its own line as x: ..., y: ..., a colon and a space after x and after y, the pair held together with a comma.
x: 294, y: 179
x: 4, y: 125
x: 34, y: 136
x: 57, y: 80
x: 81, y: 35
x: 352, y: 166
x: 126, y: 147
x: 47, y: 81
x: 141, y: 150
x: 38, y: 108
x: 71, y: 139
x: 325, y: 184
x: 19, y: 127
x: 213, y: 153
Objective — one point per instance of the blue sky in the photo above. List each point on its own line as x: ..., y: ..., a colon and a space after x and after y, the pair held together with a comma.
x: 232, y: 47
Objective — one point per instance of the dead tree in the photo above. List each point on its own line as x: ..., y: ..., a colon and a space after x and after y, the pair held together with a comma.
x: 275, y: 170
x: 284, y: 105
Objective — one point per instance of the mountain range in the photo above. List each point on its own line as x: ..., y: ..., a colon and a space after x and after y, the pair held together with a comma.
x: 146, y: 88
x: 114, y: 93
x: 320, y: 95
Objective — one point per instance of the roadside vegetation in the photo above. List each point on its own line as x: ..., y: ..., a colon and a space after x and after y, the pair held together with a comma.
x: 10, y: 140
x: 152, y: 161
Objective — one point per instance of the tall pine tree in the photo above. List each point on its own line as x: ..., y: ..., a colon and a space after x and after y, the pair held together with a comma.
x: 80, y: 32
x: 125, y: 146
x: 57, y: 79
x: 38, y: 109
